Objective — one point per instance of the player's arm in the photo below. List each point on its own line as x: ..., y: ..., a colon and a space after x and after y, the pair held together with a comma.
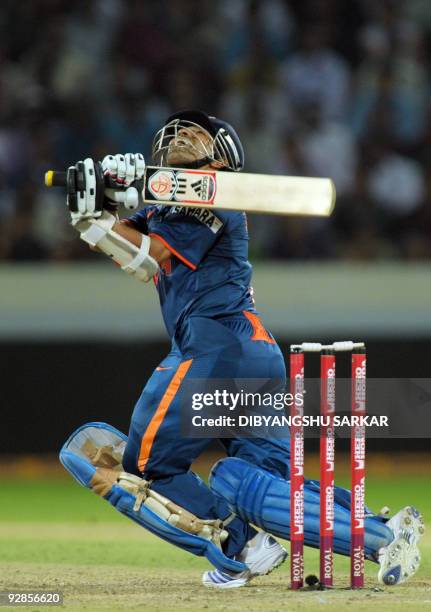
x: 157, y: 250
x: 123, y: 170
x: 97, y: 227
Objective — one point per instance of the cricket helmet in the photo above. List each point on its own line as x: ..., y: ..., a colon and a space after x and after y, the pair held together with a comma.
x: 225, y: 146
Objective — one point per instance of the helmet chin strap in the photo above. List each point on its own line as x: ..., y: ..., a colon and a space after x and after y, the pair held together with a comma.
x: 195, y: 164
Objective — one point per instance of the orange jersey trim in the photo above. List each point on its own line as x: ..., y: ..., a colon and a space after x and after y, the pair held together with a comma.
x: 173, y: 251
x: 259, y: 332
x: 159, y: 415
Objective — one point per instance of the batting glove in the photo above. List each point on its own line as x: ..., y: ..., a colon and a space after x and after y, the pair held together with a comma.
x: 123, y: 170
x: 85, y: 190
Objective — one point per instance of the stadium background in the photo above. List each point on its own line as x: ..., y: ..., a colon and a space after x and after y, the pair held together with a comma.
x: 318, y: 87
x: 314, y: 87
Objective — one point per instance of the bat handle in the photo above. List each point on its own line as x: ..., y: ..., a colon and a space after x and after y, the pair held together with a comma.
x: 53, y: 178
x: 130, y: 197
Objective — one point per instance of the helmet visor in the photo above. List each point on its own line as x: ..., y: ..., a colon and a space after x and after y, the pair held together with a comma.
x: 182, y: 142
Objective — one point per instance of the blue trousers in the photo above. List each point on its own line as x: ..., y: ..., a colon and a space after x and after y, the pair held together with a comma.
x: 232, y: 347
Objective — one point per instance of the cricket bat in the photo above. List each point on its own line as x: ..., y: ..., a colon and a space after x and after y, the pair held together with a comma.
x: 255, y: 193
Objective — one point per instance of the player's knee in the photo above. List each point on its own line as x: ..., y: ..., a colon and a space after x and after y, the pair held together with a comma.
x: 226, y: 476
x: 130, y: 459
x: 220, y: 465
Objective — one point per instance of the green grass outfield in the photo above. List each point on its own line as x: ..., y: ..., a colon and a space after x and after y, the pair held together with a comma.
x: 55, y: 535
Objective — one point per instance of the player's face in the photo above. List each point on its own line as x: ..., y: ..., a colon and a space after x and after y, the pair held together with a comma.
x: 189, y: 145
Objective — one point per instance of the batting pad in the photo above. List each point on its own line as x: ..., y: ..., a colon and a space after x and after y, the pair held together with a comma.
x: 93, y: 455
x: 261, y: 498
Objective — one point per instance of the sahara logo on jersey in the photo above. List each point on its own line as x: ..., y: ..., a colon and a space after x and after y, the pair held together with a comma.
x: 203, y: 215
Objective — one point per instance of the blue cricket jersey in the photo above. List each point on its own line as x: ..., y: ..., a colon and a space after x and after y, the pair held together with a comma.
x: 209, y: 273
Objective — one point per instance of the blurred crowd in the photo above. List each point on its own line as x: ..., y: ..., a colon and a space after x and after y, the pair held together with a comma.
x: 314, y: 87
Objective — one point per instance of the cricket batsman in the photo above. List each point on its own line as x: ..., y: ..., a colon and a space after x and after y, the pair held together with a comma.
x: 198, y: 261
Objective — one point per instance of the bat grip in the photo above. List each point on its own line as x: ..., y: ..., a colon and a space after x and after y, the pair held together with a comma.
x: 55, y: 179
x: 129, y: 198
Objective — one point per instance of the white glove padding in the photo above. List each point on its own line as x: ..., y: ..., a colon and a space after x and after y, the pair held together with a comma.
x: 85, y: 190
x: 123, y: 170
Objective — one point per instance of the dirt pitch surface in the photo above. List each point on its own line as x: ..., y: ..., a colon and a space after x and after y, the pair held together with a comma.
x: 155, y: 576
x: 119, y: 588
x: 57, y: 536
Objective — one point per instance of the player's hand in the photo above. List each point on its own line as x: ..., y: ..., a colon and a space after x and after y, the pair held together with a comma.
x: 123, y: 170
x: 85, y: 190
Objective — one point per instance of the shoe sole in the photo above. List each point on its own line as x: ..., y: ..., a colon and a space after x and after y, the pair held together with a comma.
x: 232, y: 584
x: 403, y: 552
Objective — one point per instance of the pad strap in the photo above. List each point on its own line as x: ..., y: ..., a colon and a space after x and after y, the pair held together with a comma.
x: 210, y: 529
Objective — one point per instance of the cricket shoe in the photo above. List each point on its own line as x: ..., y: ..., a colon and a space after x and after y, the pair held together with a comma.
x: 261, y: 554
x: 401, y: 558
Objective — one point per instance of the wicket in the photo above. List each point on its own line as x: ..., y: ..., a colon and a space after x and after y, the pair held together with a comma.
x: 327, y: 461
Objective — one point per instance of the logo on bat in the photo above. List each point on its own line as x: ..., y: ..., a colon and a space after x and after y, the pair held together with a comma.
x: 162, y: 185
x: 205, y: 188
x: 182, y: 186
x: 197, y: 186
